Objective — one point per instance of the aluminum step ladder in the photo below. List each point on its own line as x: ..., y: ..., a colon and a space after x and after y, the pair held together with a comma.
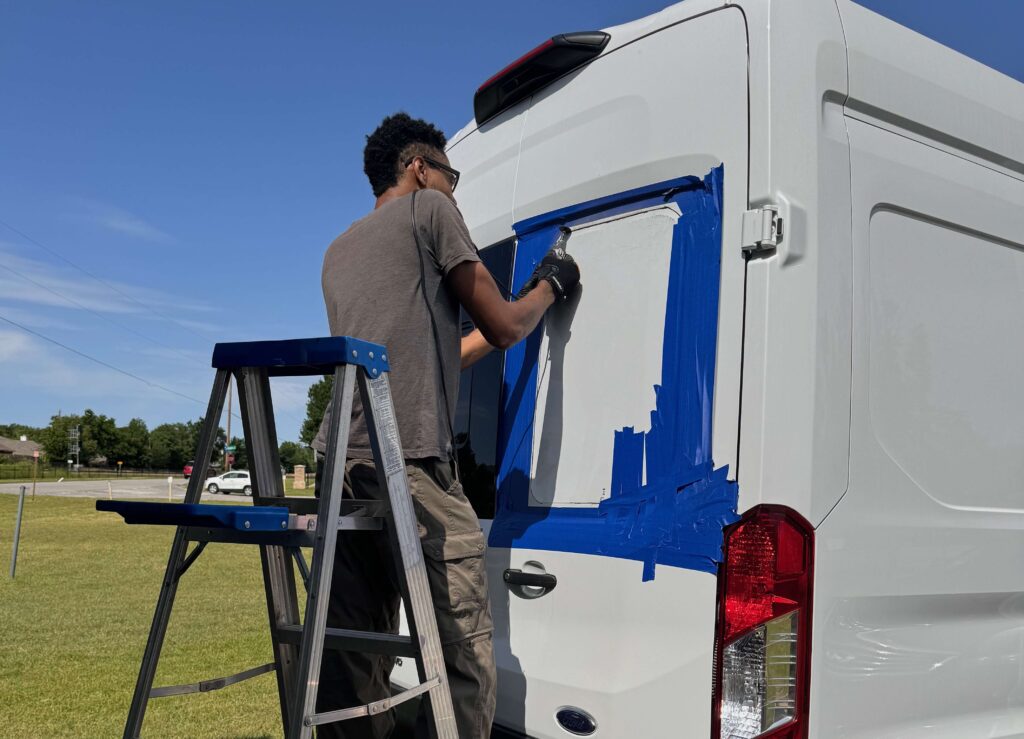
x: 281, y: 526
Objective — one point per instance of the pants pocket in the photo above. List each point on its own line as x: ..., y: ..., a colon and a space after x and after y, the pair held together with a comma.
x: 455, y: 567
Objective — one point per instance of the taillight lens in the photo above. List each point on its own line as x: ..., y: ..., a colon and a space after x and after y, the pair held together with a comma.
x: 763, y: 635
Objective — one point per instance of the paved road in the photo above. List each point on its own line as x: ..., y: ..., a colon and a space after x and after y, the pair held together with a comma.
x: 121, y: 489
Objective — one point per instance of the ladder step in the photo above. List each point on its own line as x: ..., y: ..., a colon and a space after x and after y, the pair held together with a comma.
x: 348, y: 640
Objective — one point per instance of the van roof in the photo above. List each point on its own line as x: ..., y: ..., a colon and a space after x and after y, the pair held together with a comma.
x: 896, y: 74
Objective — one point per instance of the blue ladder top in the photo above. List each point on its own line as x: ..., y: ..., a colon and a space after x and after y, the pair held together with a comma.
x: 239, y: 518
x: 293, y: 357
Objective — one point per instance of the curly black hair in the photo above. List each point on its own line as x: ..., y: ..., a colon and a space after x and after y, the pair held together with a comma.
x: 397, y: 138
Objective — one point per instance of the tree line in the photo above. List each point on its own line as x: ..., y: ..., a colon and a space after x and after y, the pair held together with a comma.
x: 103, y: 443
x: 168, y: 446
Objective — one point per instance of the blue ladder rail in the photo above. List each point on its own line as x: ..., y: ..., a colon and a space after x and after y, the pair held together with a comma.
x: 237, y: 518
x: 292, y: 357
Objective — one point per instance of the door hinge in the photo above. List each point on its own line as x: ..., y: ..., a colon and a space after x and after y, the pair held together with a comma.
x: 762, y: 229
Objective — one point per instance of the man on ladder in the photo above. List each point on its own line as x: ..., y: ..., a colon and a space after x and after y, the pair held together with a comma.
x: 397, y: 277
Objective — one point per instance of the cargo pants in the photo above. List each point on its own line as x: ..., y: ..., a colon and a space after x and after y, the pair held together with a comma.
x: 365, y: 596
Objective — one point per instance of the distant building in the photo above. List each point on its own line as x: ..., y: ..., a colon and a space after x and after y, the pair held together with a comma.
x: 19, y: 448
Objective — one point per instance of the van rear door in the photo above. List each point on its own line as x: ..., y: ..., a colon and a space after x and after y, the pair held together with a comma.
x: 616, y: 438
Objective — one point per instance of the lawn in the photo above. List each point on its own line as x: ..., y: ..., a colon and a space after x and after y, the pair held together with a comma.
x: 76, y: 618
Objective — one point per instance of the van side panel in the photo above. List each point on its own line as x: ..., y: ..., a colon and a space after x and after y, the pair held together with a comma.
x: 919, y: 612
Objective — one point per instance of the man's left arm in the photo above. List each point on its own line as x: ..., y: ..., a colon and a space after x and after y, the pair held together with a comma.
x: 474, y: 348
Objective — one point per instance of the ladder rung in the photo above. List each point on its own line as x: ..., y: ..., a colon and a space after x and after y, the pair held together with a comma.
x: 348, y: 640
x: 372, y: 709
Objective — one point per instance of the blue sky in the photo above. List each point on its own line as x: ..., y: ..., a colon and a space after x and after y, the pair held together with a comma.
x: 197, y: 158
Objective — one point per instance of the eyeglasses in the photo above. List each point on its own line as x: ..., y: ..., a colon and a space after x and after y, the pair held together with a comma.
x: 451, y: 174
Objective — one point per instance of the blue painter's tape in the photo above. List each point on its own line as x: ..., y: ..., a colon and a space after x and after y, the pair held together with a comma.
x: 675, y: 518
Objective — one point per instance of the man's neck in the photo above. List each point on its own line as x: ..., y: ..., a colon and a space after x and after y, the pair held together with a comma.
x: 393, y: 193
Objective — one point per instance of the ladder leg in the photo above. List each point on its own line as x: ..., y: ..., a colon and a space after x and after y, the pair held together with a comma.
x: 322, y: 567
x: 278, y: 573
x: 158, y: 629
x: 379, y: 412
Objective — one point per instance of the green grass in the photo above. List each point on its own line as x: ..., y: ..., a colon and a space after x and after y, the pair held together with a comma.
x: 75, y: 622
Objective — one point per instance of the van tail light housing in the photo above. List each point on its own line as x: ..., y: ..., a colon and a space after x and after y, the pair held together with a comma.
x: 763, y: 631
x: 535, y: 70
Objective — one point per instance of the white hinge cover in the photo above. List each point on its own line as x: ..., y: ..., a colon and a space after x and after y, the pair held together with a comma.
x: 762, y: 229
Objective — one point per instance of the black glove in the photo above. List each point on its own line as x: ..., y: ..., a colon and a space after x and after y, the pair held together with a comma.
x: 558, y: 268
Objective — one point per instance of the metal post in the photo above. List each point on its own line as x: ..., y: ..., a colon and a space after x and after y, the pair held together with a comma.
x: 35, y: 472
x: 17, y: 530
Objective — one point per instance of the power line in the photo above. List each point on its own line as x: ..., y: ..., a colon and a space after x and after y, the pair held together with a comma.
x: 100, y: 280
x: 123, y: 294
x: 124, y: 372
x: 101, y: 316
x: 101, y: 362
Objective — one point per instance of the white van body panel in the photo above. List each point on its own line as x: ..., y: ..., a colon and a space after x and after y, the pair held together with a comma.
x: 867, y: 372
x: 919, y: 589
x: 919, y: 592
x: 556, y: 650
x: 794, y: 439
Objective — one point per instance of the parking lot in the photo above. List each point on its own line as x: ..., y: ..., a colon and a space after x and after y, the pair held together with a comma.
x: 122, y: 489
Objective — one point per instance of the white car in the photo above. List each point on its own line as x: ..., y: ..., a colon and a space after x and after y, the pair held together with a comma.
x: 230, y: 482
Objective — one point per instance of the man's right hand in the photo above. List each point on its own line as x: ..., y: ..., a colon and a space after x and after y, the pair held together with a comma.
x: 559, y: 270
x: 504, y: 324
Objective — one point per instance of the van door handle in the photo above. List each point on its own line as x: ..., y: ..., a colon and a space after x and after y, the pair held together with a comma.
x: 518, y: 581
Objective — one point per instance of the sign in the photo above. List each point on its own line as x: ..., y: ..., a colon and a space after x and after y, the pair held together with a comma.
x: 231, y: 459
x: 35, y: 454
x: 229, y: 448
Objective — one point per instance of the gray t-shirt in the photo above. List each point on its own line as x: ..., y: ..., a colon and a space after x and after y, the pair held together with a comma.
x: 371, y: 283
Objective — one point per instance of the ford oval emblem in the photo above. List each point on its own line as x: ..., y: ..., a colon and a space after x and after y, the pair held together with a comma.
x: 576, y: 721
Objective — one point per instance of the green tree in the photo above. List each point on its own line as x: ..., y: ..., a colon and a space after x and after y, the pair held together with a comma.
x: 241, y: 455
x: 17, y: 430
x: 99, y: 436
x: 170, y: 446
x: 132, y: 445
x: 54, y: 438
x: 319, y: 396
x: 195, y: 430
x: 293, y: 454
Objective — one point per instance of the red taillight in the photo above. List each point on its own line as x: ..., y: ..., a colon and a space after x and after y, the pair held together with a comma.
x: 763, y: 635
x: 536, y: 69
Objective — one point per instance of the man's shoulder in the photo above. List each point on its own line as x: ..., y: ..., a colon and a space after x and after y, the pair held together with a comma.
x: 435, y: 201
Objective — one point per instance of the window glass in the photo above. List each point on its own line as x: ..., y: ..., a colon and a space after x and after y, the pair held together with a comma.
x: 476, y: 417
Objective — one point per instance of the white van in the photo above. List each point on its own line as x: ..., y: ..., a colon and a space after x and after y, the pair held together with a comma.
x: 766, y: 475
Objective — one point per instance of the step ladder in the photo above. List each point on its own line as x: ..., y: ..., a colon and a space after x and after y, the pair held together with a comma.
x: 282, y: 526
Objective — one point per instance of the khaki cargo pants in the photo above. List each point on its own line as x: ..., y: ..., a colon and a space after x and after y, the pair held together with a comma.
x: 365, y: 596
